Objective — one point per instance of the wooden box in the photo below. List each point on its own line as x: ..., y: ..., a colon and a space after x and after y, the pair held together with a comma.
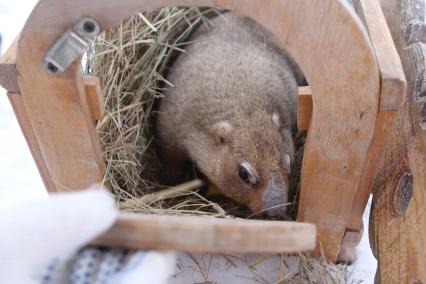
x: 355, y: 76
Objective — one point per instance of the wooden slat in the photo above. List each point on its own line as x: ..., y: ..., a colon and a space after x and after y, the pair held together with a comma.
x: 8, y: 80
x: 384, y: 127
x: 304, y: 108
x: 392, y: 93
x: 201, y: 234
x: 28, y: 132
x: 393, y: 83
x: 346, y: 85
x: 8, y: 72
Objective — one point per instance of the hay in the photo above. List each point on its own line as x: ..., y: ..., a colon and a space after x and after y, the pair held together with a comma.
x: 260, y: 268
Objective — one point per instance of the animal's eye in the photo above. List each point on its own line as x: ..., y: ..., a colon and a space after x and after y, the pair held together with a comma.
x: 248, y: 174
x: 244, y: 175
x: 222, y: 140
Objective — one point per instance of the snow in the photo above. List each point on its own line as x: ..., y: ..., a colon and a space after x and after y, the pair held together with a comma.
x: 20, y: 181
x: 263, y: 268
x: 366, y: 265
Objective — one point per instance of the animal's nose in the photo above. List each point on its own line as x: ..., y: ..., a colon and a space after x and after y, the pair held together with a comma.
x: 275, y: 196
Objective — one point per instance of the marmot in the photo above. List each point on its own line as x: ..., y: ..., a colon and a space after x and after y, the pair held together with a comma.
x: 232, y: 110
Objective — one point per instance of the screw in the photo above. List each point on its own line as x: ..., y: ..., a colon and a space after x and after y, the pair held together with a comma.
x: 89, y: 27
x: 52, y: 67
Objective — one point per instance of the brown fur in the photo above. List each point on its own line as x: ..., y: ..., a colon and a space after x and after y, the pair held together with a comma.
x: 227, y: 86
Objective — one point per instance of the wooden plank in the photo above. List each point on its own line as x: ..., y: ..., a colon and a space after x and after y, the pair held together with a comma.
x: 345, y: 86
x: 95, y: 97
x: 201, y: 234
x: 8, y: 72
x: 392, y: 93
x: 8, y: 80
x: 397, y: 221
x: 384, y: 127
x: 28, y: 132
x: 393, y: 83
x: 304, y: 108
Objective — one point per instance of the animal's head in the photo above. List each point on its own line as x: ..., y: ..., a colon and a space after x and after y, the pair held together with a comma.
x: 250, y: 162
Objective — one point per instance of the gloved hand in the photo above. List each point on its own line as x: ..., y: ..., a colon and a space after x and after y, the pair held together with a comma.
x: 43, y: 243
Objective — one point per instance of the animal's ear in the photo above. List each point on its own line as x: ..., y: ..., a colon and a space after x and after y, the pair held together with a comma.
x: 276, y: 119
x: 221, y: 131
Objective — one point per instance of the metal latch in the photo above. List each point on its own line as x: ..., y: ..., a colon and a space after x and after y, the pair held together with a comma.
x: 71, y: 44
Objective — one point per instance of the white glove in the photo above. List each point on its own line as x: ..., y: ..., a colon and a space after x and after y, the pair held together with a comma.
x: 39, y: 243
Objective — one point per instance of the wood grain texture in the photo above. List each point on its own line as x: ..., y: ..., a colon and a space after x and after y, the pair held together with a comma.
x: 385, y: 124
x: 8, y: 72
x: 399, y: 240
x: 324, y: 37
x: 392, y: 93
x: 200, y: 234
x: 393, y: 84
x: 8, y: 80
x: 29, y: 135
x: 398, y: 231
x: 304, y: 108
x: 59, y: 112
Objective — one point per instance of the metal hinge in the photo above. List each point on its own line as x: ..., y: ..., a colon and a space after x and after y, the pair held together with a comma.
x: 71, y: 45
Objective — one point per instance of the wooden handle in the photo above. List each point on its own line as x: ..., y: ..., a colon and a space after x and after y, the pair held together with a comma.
x: 208, y: 234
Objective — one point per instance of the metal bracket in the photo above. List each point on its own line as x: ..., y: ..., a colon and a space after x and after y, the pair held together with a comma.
x: 71, y: 45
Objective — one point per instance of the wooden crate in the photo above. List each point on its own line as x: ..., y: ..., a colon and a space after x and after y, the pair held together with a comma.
x: 357, y: 84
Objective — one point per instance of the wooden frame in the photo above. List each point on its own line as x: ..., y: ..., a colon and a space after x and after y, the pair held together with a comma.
x: 340, y: 66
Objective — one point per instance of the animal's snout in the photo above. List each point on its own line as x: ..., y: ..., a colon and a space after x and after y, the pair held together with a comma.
x: 274, y: 198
